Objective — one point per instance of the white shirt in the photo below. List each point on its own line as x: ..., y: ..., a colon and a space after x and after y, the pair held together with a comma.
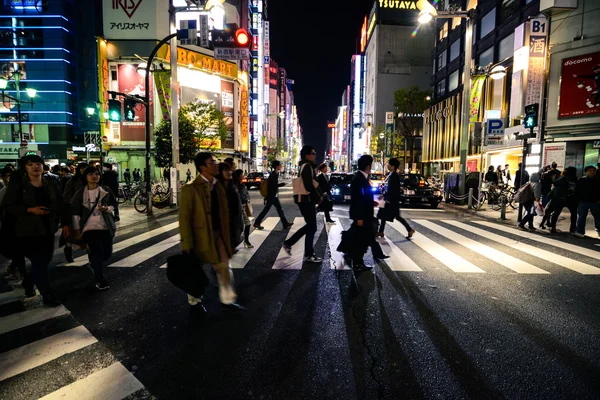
x: 212, y: 184
x: 365, y: 174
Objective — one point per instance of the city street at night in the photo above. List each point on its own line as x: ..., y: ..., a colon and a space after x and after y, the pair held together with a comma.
x: 466, y: 309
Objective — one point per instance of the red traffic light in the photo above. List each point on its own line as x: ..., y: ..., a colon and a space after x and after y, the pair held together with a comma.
x: 242, y: 38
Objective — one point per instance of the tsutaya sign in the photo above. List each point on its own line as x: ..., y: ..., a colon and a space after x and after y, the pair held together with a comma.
x: 398, y: 4
x: 135, y: 19
x: 206, y: 63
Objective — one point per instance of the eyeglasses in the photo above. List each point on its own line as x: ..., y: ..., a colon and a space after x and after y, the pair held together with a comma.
x: 314, y: 153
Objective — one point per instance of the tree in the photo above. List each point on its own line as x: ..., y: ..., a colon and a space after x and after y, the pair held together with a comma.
x: 410, y: 104
x: 275, y: 149
x: 200, y: 126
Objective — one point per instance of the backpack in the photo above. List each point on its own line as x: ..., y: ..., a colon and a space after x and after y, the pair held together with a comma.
x: 524, y: 194
x: 264, y: 188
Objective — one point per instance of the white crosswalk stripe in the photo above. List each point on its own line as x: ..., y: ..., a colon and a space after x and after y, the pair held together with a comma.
x: 241, y: 258
x: 106, y: 381
x: 334, y: 236
x: 146, y: 254
x: 398, y: 260
x: 285, y: 261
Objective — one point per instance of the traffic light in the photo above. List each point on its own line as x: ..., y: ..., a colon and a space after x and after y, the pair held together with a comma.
x: 231, y: 37
x: 531, y: 115
x: 129, y: 108
x: 114, y: 111
x: 242, y: 38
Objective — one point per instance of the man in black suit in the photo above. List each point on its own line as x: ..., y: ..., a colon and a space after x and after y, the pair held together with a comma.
x: 361, y: 211
x: 272, y: 198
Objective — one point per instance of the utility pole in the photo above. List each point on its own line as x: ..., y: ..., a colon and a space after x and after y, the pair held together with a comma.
x: 174, y: 109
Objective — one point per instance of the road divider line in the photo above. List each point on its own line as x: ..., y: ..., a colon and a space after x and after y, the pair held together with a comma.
x: 113, y: 382
x: 42, y: 351
x: 147, y: 253
x: 545, y: 255
x: 499, y: 257
x: 442, y: 254
x: 295, y: 261
x: 257, y: 238
x: 20, y: 320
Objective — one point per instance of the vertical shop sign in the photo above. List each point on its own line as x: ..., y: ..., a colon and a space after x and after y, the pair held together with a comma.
x: 203, y: 19
x: 536, y: 68
x: 267, y: 45
x: 245, y: 127
x: 163, y: 89
x: 475, y: 101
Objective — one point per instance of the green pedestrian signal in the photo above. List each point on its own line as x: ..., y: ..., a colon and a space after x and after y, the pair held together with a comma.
x: 531, y: 115
x: 129, y: 106
x: 114, y: 111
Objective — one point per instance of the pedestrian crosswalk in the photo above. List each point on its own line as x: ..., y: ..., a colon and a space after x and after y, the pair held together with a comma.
x: 462, y: 247
x: 38, y: 341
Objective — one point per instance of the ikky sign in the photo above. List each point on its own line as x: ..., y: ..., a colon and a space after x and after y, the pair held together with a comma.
x: 580, y: 86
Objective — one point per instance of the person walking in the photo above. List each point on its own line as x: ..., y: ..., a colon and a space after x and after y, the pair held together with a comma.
x: 506, y: 174
x: 528, y: 205
x: 74, y: 185
x: 307, y: 198
x: 491, y: 176
x: 37, y: 203
x: 563, y: 195
x: 587, y: 191
x: 238, y: 175
x: 272, y: 198
x: 391, y: 210
x: 325, y: 188
x: 204, y: 228
x: 93, y: 222
x: 236, y: 219
x: 110, y: 179
x: 500, y: 174
x: 521, y: 177
x: 127, y: 177
x: 188, y: 176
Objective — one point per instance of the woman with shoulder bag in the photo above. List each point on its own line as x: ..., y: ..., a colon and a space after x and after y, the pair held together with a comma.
x: 392, y: 201
x: 94, y: 223
x: 246, y: 205
x: 236, y: 223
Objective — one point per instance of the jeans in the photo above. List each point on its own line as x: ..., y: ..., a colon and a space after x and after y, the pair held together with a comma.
x: 582, y: 212
x: 528, y: 218
x: 545, y: 199
x: 307, y: 208
x: 39, y: 251
x: 271, y: 202
x: 100, y: 245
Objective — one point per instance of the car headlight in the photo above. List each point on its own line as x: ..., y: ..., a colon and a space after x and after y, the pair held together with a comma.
x: 335, y: 191
x: 409, y: 192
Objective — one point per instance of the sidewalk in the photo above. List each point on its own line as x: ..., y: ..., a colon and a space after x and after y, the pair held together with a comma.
x: 129, y: 216
x: 486, y: 212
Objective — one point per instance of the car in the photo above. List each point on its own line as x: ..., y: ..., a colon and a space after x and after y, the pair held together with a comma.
x: 377, y: 180
x: 414, y: 189
x: 340, y: 187
x: 253, y: 179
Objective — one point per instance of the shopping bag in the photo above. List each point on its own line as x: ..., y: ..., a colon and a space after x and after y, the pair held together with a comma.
x: 539, y: 208
x: 185, y: 272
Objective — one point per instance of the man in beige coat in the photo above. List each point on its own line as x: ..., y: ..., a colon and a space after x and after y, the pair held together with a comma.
x: 204, y: 227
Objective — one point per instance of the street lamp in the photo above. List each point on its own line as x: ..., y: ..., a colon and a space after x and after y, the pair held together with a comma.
x: 428, y: 13
x: 31, y: 93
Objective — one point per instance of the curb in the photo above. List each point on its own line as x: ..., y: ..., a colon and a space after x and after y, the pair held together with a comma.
x: 465, y: 210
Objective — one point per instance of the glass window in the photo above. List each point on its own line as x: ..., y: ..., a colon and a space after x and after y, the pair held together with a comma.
x: 506, y: 48
x: 444, y: 31
x: 488, y: 23
x: 455, y: 50
x: 510, y: 7
x: 453, y: 81
x: 497, y: 93
x: 441, y: 88
x: 441, y: 60
x: 487, y: 57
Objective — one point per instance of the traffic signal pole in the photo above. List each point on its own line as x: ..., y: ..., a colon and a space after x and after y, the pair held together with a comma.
x: 174, y: 172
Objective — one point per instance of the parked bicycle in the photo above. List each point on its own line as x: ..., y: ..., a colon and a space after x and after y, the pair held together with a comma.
x: 161, y: 196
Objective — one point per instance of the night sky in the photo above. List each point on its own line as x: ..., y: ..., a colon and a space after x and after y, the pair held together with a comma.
x: 314, y: 41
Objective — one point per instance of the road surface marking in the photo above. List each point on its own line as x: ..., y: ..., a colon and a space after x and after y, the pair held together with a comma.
x: 40, y: 352
x: 547, y: 256
x: 257, y: 238
x: 295, y: 261
x: 147, y: 253
x: 543, y: 239
x: 398, y: 260
x: 111, y: 383
x: 334, y: 237
x: 20, y: 320
x: 122, y: 245
x: 503, y: 259
x: 445, y: 256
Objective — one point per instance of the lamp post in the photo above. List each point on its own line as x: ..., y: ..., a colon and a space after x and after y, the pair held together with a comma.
x: 31, y: 93
x: 427, y: 14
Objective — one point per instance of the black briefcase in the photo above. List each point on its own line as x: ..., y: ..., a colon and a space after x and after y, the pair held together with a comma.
x: 185, y: 271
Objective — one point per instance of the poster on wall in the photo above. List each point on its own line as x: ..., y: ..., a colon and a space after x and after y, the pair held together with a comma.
x: 554, y: 152
x: 580, y: 86
x: 132, y: 83
x: 135, y: 19
x: 227, y: 109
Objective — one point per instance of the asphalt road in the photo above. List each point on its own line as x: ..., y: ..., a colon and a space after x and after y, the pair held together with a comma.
x: 467, y: 309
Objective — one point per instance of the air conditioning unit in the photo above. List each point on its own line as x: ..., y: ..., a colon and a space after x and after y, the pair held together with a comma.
x: 557, y: 5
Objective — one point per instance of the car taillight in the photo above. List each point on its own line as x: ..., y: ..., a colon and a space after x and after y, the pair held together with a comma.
x: 244, y: 180
x: 257, y: 180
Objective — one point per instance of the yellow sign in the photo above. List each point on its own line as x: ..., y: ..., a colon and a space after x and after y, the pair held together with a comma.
x: 201, y: 61
x: 398, y: 4
x: 208, y: 143
x: 245, y: 125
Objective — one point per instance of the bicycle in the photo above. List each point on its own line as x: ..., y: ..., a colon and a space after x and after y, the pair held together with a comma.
x: 160, y: 198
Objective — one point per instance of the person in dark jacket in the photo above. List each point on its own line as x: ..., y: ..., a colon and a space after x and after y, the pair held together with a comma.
x: 236, y: 219
x: 563, y: 195
x: 587, y: 192
x: 75, y: 184
x: 307, y: 204
x: 272, y: 198
x: 521, y: 173
x: 111, y: 179
x: 127, y: 176
x: 325, y: 188
x: 392, y: 200
x: 549, y: 176
x: 37, y: 202
x: 491, y: 175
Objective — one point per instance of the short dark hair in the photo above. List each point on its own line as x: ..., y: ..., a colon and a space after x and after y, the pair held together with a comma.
x: 364, y: 161
x: 394, y: 162
x: 520, y: 165
x: 108, y: 165
x: 89, y: 170
x: 229, y: 160
x: 586, y: 169
x: 223, y: 166
x: 323, y: 166
x: 237, y: 176
x: 46, y: 167
x: 65, y: 169
x: 306, y: 150
x: 275, y: 164
x: 506, y: 165
x: 554, y: 165
x: 200, y: 159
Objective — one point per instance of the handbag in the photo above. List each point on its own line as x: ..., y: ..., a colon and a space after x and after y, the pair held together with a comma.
x: 298, y: 184
x: 248, y: 209
x: 185, y: 272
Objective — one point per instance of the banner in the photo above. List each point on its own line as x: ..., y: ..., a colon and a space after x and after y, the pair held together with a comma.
x: 163, y: 89
x: 475, y: 100
x: 580, y: 86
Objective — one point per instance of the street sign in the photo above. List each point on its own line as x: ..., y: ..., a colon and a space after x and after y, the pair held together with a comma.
x: 228, y: 53
x: 264, y: 148
x: 596, y: 144
x: 494, y: 140
x: 495, y: 127
x: 104, y: 139
x: 23, y: 143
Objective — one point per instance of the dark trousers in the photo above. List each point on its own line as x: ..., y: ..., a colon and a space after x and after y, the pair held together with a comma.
x: 367, y: 233
x: 399, y: 218
x: 530, y: 214
x: 307, y: 208
x: 100, y: 247
x: 582, y: 212
x: 271, y: 202
x: 39, y: 250
x: 556, y: 208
